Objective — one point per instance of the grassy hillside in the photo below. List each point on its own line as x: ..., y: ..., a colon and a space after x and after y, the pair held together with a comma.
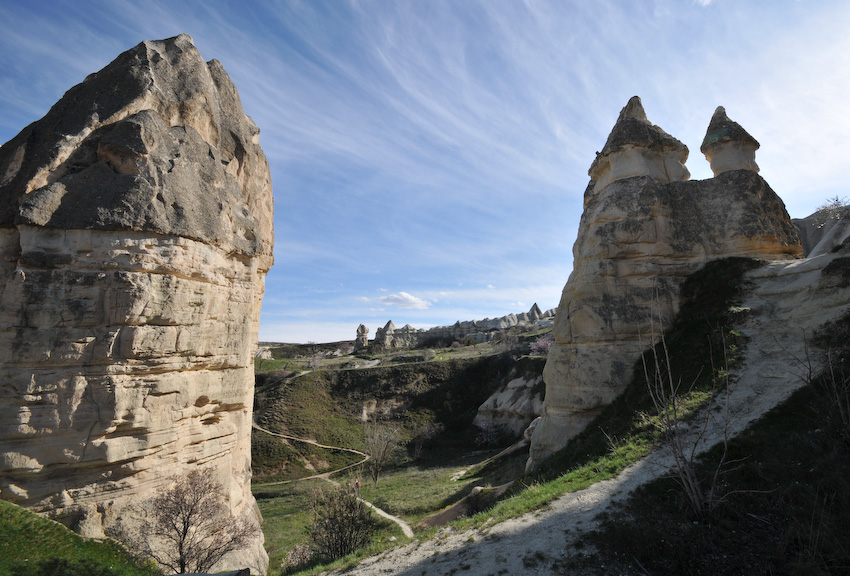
x: 441, y: 394
x: 788, y: 505
x: 34, y: 546
x: 327, y: 406
x: 787, y: 511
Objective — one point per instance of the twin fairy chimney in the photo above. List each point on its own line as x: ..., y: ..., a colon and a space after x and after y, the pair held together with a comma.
x: 645, y: 228
x: 135, y: 237
x: 636, y: 147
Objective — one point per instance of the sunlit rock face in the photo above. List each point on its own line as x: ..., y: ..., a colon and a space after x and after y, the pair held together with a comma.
x: 136, y: 233
x: 639, y: 237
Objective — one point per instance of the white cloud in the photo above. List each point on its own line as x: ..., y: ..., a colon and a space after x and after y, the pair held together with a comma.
x: 703, y: 2
x: 405, y: 300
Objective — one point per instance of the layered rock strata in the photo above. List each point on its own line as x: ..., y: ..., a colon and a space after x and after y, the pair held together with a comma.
x: 643, y: 231
x: 136, y: 233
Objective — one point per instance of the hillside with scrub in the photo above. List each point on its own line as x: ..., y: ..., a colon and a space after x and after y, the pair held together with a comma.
x: 701, y: 454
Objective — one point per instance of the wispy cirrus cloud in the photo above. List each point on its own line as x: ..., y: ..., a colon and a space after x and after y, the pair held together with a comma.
x: 435, y: 148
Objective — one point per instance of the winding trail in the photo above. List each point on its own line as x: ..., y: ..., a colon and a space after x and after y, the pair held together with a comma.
x: 326, y: 476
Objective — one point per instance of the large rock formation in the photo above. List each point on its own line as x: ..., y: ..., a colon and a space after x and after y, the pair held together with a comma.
x: 361, y: 342
x: 135, y: 232
x: 644, y: 229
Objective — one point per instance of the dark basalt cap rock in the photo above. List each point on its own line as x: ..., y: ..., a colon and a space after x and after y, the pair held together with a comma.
x: 156, y: 141
x: 722, y: 130
x: 633, y: 128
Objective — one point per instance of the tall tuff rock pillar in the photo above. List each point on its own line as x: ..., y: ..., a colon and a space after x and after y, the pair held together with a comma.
x: 136, y: 233
x: 361, y: 342
x: 644, y: 229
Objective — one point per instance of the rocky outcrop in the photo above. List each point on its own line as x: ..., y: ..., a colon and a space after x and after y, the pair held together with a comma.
x: 825, y: 230
x: 135, y: 232
x: 636, y: 147
x: 389, y: 337
x: 361, y: 342
x: 644, y: 229
x: 514, y: 406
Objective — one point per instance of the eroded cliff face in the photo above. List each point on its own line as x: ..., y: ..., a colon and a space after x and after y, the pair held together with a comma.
x: 135, y: 233
x: 644, y: 229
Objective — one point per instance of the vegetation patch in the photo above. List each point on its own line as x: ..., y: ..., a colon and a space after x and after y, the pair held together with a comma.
x: 702, y: 345
x: 789, y: 513
x: 34, y: 546
x: 838, y: 270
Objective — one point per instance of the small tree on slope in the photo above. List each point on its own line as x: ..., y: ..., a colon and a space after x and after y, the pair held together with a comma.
x: 341, y: 523
x: 188, y: 529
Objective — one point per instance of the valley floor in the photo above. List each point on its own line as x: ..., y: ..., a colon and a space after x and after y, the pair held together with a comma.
x: 789, y: 299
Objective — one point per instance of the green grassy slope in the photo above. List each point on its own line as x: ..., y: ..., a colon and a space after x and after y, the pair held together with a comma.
x: 34, y: 546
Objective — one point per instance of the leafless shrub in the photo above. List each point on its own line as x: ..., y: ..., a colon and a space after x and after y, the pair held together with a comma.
x: 832, y: 382
x: 342, y: 523
x: 422, y: 434
x: 490, y: 434
x: 381, y: 440
x: 834, y: 208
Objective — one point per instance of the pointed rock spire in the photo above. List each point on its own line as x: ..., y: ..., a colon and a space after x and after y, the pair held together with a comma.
x: 636, y: 147
x: 727, y: 146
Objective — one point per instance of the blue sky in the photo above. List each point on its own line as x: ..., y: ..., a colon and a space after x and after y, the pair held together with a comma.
x: 429, y: 157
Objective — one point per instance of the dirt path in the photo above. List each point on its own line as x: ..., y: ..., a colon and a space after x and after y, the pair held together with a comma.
x: 788, y: 303
x: 405, y: 527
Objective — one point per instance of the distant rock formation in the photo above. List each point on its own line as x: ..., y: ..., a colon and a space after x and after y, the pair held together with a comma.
x: 513, y: 406
x: 389, y: 337
x: 644, y: 229
x: 135, y: 233
x: 362, y: 340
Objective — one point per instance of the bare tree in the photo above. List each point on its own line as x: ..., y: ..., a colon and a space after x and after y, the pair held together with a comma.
x: 381, y: 440
x: 422, y: 434
x: 506, y: 340
x: 342, y: 523
x: 187, y: 528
